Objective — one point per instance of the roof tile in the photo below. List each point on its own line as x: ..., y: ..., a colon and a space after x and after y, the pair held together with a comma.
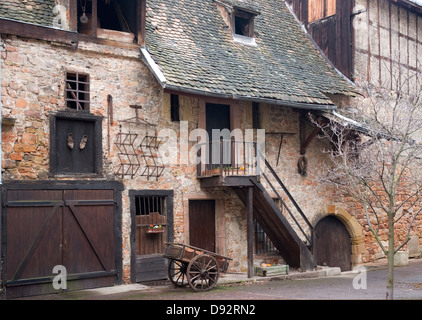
x: 194, y: 48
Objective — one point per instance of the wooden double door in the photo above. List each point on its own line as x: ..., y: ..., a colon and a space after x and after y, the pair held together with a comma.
x: 71, y: 229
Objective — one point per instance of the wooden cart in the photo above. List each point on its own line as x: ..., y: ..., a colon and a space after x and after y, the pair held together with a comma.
x: 194, y: 266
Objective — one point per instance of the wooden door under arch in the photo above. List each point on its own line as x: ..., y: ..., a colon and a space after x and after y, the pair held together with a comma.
x: 332, y: 246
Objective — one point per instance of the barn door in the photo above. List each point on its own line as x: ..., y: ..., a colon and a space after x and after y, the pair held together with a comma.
x: 332, y: 247
x: 33, y: 238
x: 49, y: 228
x: 202, y: 224
x: 88, y: 237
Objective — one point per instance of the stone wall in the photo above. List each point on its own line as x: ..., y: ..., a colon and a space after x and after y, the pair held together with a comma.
x: 32, y: 88
x: 32, y: 84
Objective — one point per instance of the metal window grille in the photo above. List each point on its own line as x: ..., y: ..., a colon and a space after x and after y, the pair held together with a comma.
x: 263, y: 243
x: 77, y: 91
x: 146, y: 204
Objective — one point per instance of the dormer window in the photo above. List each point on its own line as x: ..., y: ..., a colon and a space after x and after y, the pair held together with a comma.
x: 244, y: 23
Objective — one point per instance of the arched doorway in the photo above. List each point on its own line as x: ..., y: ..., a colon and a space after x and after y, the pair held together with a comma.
x: 333, y: 246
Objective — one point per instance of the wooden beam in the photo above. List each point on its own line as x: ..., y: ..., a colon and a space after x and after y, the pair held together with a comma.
x: 27, y: 30
x: 306, y: 140
x: 94, y: 22
x: 250, y: 231
x: 73, y: 16
x: 142, y: 8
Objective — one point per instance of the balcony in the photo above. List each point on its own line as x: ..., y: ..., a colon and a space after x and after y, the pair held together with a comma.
x: 227, y: 163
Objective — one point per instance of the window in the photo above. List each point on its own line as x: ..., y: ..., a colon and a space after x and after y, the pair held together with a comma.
x: 117, y: 15
x: 144, y: 205
x: 77, y: 91
x: 319, y: 9
x: 175, y: 108
x: 102, y: 18
x: 75, y: 144
x: 263, y: 243
x: 255, y: 115
x: 243, y: 23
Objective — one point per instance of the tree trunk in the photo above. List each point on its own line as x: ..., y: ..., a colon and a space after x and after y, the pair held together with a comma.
x: 390, y: 258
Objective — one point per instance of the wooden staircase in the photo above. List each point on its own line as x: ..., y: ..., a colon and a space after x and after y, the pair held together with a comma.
x: 295, y: 250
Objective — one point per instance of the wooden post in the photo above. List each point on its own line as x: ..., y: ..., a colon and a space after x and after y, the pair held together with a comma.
x: 94, y: 22
x: 142, y: 8
x: 250, y: 231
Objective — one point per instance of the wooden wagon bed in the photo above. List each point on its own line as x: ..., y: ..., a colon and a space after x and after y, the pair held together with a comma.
x: 194, y: 266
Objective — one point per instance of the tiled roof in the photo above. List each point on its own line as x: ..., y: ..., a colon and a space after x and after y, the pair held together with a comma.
x: 193, y: 49
x: 39, y: 12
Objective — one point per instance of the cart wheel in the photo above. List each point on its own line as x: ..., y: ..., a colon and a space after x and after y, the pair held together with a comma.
x: 177, y: 273
x: 202, y: 272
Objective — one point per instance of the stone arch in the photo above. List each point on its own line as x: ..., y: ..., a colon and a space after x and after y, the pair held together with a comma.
x: 352, y: 226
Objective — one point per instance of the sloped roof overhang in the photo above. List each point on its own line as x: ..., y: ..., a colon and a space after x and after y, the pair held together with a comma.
x: 156, y: 71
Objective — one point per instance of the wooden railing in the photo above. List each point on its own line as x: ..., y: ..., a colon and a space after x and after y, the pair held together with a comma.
x: 280, y: 187
x: 228, y: 158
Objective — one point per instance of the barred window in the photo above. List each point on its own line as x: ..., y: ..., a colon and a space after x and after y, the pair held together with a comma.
x: 77, y: 91
x: 144, y: 205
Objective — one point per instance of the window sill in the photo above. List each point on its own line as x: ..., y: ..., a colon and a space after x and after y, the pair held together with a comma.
x: 248, y: 41
x: 115, y: 35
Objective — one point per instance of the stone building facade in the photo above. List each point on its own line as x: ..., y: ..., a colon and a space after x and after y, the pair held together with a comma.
x: 157, y: 81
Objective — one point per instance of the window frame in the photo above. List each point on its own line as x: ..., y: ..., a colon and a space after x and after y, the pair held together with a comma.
x: 175, y: 107
x: 244, y: 14
x: 53, y: 155
x: 140, y: 19
x: 86, y: 101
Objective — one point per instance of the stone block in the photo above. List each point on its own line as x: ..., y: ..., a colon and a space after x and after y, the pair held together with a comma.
x: 334, y: 271
x: 413, y: 246
x: 401, y: 258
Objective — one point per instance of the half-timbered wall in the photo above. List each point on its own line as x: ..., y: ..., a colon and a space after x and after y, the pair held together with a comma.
x: 387, y: 36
